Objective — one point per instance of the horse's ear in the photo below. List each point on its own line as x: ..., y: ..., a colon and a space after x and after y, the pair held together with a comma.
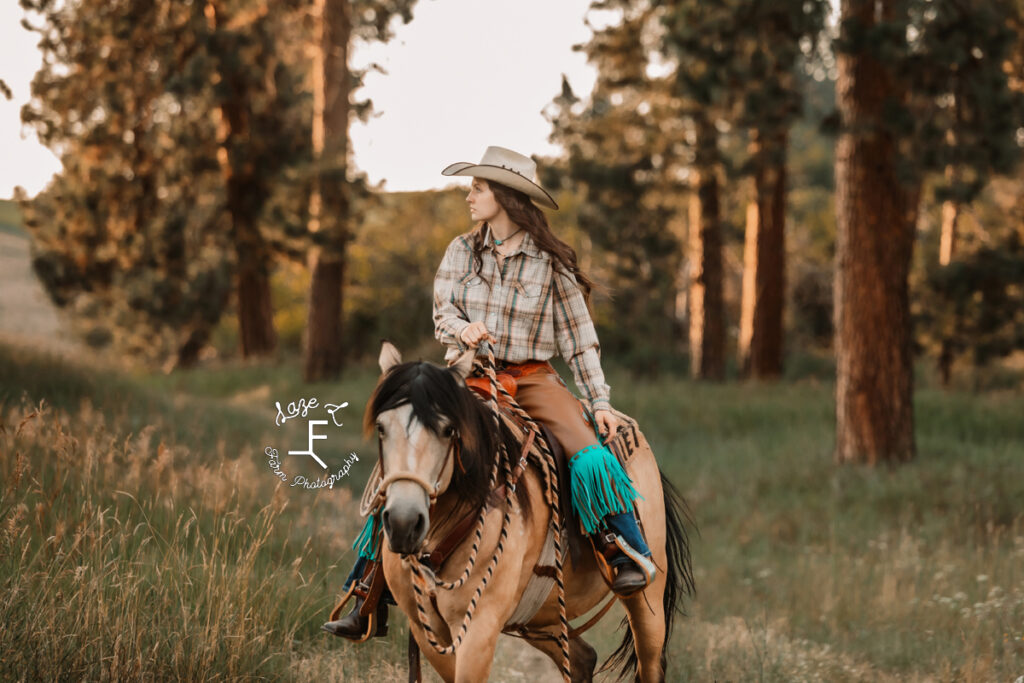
x: 463, y: 365
x: 389, y: 356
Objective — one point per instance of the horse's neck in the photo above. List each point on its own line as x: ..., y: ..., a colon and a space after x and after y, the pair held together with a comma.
x: 445, y: 510
x: 446, y: 504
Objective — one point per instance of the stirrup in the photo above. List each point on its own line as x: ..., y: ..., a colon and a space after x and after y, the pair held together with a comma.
x: 370, y: 588
x: 645, y: 563
x: 376, y: 625
x: 607, y: 545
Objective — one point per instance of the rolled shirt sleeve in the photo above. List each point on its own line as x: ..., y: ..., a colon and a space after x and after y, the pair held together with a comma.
x: 577, y: 340
x: 449, y: 319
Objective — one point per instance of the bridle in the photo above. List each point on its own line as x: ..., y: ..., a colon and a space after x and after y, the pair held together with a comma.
x: 453, y: 454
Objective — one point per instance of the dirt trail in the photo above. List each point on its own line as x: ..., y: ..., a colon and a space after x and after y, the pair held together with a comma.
x: 27, y: 316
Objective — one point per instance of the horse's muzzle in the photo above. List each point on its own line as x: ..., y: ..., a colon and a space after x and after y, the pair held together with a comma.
x: 406, y: 527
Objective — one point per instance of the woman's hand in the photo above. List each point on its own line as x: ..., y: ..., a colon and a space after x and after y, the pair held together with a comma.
x: 607, y: 424
x: 473, y: 333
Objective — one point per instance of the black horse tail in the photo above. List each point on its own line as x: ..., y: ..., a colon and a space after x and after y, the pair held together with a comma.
x: 679, y: 582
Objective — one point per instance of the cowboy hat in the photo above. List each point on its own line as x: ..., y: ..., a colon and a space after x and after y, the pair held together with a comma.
x: 508, y: 168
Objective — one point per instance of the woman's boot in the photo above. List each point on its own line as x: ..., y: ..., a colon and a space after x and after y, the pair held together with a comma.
x: 631, y: 561
x: 371, y: 587
x: 354, y: 627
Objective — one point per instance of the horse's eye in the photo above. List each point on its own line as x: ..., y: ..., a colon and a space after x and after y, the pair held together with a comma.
x: 448, y: 432
x: 380, y: 430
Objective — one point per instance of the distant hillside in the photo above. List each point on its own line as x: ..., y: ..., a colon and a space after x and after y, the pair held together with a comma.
x: 10, y: 217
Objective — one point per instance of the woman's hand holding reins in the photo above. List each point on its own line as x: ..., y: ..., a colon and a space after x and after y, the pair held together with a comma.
x: 474, y: 333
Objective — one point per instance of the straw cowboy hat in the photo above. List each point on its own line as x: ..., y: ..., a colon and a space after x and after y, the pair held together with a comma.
x: 508, y: 168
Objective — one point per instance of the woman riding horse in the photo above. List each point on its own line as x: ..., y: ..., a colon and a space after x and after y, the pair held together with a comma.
x: 511, y: 281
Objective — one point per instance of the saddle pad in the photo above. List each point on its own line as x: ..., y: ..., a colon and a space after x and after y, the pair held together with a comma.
x: 539, y: 587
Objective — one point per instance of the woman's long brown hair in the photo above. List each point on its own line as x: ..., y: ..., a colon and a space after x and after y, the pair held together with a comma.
x: 526, y: 215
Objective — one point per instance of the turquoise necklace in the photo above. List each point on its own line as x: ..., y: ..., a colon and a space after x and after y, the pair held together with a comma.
x: 498, y: 242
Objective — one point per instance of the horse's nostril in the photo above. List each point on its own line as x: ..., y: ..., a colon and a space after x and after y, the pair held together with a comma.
x: 421, y: 523
x: 385, y: 519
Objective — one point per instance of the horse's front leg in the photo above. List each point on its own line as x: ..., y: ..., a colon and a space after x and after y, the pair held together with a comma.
x: 475, y: 654
x: 400, y: 582
x: 444, y: 665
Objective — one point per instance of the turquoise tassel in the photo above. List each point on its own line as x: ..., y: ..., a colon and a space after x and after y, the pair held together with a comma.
x: 600, y: 486
x: 367, y: 544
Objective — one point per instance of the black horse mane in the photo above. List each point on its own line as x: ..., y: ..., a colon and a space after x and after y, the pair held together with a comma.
x: 436, y: 393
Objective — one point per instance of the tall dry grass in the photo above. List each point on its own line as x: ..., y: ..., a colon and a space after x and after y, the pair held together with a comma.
x: 141, y: 536
x: 107, y: 575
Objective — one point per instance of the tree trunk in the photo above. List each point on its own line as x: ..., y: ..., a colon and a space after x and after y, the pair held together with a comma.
x: 255, y: 314
x: 875, y: 221
x: 947, y: 251
x: 764, y: 278
x: 947, y: 243
x: 707, y: 307
x: 244, y: 195
x: 948, y: 237
x: 328, y: 206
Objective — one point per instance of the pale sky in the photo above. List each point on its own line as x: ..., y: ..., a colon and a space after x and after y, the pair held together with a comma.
x: 464, y: 74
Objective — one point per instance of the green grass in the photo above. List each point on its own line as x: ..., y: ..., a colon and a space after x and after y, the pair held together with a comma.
x: 862, y: 561
x: 141, y: 534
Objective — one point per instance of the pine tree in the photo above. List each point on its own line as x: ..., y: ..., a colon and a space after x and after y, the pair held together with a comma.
x: 338, y: 23
x: 240, y: 59
x: 617, y: 147
x: 144, y: 230
x: 967, y: 68
x: 704, y: 40
x: 675, y: 77
x: 899, y: 64
x: 771, y: 103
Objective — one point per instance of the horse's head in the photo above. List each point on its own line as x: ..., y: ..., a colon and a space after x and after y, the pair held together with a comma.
x: 433, y: 436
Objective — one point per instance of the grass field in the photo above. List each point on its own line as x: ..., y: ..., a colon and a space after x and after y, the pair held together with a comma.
x: 142, y: 536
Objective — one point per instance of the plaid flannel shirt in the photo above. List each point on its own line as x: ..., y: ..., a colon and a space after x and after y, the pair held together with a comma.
x: 531, y: 308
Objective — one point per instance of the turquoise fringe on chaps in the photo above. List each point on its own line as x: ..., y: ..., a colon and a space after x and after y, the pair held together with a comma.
x: 600, y: 486
x: 368, y: 542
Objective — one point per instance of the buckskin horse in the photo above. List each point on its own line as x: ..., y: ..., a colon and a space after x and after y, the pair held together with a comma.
x: 446, y: 458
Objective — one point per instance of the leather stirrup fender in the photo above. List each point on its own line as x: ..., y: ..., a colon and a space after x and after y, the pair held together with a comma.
x: 369, y: 586
x: 375, y: 591
x: 605, y: 548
